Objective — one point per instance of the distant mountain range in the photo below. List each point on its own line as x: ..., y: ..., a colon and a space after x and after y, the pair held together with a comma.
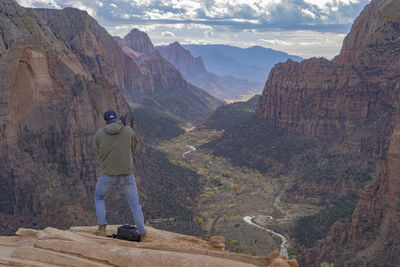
x: 251, y: 64
x: 195, y: 72
x: 166, y: 88
x: 226, y: 72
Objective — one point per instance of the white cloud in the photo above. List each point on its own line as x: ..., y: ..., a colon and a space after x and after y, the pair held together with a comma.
x: 140, y: 3
x: 196, y: 41
x: 303, y: 27
x: 82, y: 6
x: 309, y: 43
x: 156, y: 14
x: 329, y: 3
x: 208, y: 33
x: 168, y: 34
x: 39, y: 3
x: 308, y: 13
x: 276, y: 42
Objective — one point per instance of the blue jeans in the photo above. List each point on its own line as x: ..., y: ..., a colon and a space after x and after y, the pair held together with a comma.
x: 128, y: 184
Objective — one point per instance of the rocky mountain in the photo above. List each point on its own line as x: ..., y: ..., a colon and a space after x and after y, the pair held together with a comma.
x: 372, y: 48
x: 333, y: 126
x: 153, y: 80
x: 169, y: 91
x: 60, y: 72
x: 99, y: 51
x: 138, y: 41
x: 51, y: 106
x: 251, y: 64
x: 137, y: 45
x: 182, y: 58
x: 194, y: 71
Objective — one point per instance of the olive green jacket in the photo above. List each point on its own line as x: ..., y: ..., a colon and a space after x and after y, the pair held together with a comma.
x: 114, y: 144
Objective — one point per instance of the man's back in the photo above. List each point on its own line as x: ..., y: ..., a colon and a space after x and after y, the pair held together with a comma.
x: 114, y: 144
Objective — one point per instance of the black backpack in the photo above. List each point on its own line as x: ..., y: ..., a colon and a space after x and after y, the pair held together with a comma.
x: 127, y: 232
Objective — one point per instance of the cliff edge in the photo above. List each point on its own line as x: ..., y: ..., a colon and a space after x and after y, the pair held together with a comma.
x: 78, y: 247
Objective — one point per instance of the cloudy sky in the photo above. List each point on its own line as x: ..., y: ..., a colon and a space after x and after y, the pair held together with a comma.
x: 301, y: 27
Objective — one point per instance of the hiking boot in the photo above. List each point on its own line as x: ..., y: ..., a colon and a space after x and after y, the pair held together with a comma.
x: 101, y: 231
x: 143, y: 237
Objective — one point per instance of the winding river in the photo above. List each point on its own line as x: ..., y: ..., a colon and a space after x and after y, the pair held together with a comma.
x: 249, y: 220
x: 192, y: 148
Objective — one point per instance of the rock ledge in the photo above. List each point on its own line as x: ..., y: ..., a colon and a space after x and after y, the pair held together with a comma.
x: 78, y: 247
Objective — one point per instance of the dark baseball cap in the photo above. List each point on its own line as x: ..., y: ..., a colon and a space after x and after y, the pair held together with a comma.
x: 110, y: 116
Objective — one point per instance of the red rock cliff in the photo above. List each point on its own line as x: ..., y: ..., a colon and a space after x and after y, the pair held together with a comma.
x: 99, y: 51
x: 328, y: 99
x: 51, y: 105
x: 182, y: 58
x: 337, y: 101
x: 54, y: 90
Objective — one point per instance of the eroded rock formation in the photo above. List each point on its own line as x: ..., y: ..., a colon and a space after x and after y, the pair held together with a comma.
x: 51, y: 105
x: 59, y: 73
x: 352, y: 104
x: 167, y: 89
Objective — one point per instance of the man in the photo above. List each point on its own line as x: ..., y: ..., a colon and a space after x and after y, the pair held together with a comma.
x: 114, y: 144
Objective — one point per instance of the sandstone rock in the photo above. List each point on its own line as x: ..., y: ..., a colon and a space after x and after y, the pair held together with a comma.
x: 51, y: 104
x: 95, y: 46
x: 217, y: 242
x: 274, y: 254
x: 217, y: 239
x: 31, y: 233
x: 138, y: 41
x: 218, y: 245
x: 49, y: 257
x: 283, y: 257
x: 278, y: 262
x: 326, y: 99
x: 127, y: 257
x: 293, y: 263
x: 345, y: 99
x: 168, y: 241
x: 158, y: 250
x: 53, y: 233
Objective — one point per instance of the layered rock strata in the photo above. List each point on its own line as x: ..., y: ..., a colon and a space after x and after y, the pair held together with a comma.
x: 351, y: 104
x: 329, y: 99
x: 51, y: 105
x: 58, y: 75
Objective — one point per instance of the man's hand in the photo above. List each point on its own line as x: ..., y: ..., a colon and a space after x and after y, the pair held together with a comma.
x: 123, y: 120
